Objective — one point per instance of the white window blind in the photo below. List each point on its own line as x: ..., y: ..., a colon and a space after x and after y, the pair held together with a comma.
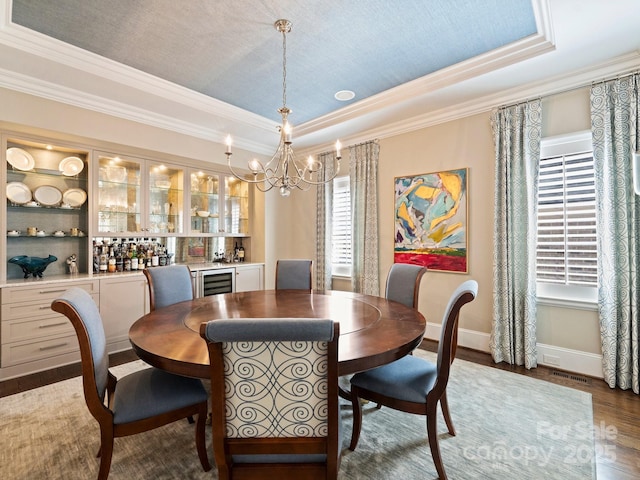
x: 341, y: 228
x: 566, y: 253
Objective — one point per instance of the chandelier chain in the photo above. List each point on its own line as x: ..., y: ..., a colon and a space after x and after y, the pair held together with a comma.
x: 284, y: 69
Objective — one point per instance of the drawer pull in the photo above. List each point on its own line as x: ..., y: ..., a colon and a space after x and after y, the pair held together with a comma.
x: 53, y: 291
x: 52, y: 325
x: 51, y: 347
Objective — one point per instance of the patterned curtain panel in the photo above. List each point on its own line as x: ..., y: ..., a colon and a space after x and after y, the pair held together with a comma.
x: 324, y: 202
x: 517, y: 131
x: 364, y: 217
x: 614, y: 126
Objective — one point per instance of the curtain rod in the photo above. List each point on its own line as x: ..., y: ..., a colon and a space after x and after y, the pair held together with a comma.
x: 627, y: 73
x: 375, y: 140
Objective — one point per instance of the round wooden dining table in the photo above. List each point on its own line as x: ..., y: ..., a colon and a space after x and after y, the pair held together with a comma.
x: 373, y: 330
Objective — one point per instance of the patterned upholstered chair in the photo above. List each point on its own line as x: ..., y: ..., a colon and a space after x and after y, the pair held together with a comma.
x: 415, y: 385
x: 293, y: 275
x: 274, y: 394
x: 403, y: 283
x: 169, y: 285
x: 137, y: 402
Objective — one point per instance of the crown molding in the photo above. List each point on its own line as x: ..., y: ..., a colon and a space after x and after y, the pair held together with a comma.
x: 581, y: 78
x: 35, y: 43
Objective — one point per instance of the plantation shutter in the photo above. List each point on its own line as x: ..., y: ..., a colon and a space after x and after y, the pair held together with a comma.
x: 341, y: 227
x: 567, y: 251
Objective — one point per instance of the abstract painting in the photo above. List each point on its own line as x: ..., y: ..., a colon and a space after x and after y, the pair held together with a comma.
x: 431, y: 220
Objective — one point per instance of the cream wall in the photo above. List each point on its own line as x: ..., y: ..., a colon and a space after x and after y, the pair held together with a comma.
x: 463, y: 143
x: 569, y: 335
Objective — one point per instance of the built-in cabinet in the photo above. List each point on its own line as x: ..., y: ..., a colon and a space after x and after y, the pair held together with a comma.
x: 34, y: 337
x: 47, y: 192
x: 249, y: 277
x: 137, y: 196
x: 219, y: 204
x: 61, y: 197
x: 123, y: 299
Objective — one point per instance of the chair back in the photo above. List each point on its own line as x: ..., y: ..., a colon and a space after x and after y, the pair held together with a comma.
x: 464, y: 294
x: 403, y: 283
x: 78, y: 306
x: 293, y: 275
x: 169, y: 285
x: 274, y: 394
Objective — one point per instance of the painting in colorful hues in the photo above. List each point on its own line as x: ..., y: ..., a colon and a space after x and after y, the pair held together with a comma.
x: 431, y: 220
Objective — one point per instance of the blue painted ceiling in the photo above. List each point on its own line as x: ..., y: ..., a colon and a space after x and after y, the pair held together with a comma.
x: 229, y: 49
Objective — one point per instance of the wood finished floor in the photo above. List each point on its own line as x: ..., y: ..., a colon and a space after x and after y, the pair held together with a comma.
x: 616, y: 413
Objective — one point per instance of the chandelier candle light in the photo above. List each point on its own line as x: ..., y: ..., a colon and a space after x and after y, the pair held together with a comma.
x: 283, y: 170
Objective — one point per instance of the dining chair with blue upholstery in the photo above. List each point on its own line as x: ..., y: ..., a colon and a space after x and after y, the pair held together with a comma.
x: 403, y: 286
x: 403, y: 283
x: 293, y: 274
x: 135, y: 403
x: 415, y: 385
x: 169, y: 285
x: 274, y: 395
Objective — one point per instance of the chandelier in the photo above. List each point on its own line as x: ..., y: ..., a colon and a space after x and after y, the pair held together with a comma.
x: 284, y: 170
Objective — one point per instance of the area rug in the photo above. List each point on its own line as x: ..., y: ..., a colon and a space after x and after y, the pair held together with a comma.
x: 508, y: 426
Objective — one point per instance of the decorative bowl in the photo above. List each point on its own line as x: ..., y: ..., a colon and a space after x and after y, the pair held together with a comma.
x: 203, y: 213
x: 32, y: 265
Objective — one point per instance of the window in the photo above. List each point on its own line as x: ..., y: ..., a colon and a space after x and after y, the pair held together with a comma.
x: 566, y: 254
x: 341, y: 228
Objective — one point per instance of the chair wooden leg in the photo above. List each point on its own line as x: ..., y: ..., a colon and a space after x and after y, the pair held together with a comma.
x: 445, y: 413
x: 343, y: 393
x: 200, y: 438
x: 105, y: 453
x: 432, y: 433
x: 357, y: 420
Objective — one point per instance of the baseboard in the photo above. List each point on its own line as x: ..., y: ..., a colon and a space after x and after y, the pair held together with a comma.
x: 566, y: 359
x: 466, y: 338
x: 585, y: 363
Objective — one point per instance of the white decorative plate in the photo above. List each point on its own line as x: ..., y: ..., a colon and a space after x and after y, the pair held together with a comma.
x: 47, y: 195
x: 18, y: 192
x: 20, y: 159
x: 71, y: 166
x: 74, y: 197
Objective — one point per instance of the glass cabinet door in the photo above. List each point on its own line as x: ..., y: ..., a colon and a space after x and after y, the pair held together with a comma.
x: 236, y: 211
x: 205, y: 202
x: 166, y: 199
x: 119, y: 188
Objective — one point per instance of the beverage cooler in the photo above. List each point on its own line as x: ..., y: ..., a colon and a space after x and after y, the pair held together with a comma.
x: 215, y: 281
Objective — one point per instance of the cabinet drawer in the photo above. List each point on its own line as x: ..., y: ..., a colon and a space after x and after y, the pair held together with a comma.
x: 22, y: 352
x: 38, y: 306
x: 46, y: 292
x: 35, y: 328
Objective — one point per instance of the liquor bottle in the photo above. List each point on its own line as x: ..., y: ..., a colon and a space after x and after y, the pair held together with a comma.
x: 96, y: 257
x: 236, y: 251
x: 103, y: 260
x: 155, y: 258
x: 241, y: 253
x: 111, y: 262
x: 119, y: 260
x: 134, y: 258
